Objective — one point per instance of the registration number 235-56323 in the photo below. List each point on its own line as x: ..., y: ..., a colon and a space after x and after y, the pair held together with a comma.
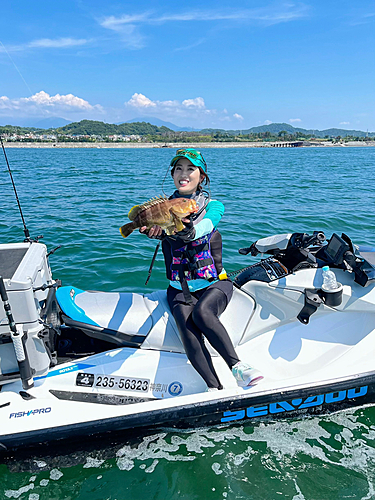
x: 113, y: 382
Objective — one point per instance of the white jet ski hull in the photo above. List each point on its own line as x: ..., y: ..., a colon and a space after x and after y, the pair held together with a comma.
x: 125, y: 367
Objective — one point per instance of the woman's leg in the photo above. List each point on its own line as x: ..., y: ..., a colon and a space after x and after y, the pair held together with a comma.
x: 212, y: 302
x: 192, y: 338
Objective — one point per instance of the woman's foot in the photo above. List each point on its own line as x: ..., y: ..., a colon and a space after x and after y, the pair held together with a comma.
x: 211, y: 389
x: 245, y: 374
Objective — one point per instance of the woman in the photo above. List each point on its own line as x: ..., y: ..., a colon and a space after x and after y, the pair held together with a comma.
x: 199, y: 290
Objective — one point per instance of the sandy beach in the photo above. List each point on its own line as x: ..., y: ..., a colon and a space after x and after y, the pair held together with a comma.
x: 199, y: 145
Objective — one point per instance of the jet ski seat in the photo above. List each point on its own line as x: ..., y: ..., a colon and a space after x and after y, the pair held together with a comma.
x: 119, y: 318
x: 136, y: 320
x: 165, y: 336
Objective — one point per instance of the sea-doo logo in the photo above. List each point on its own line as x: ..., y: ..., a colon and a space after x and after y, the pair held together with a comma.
x: 31, y: 412
x: 175, y: 388
x: 295, y: 404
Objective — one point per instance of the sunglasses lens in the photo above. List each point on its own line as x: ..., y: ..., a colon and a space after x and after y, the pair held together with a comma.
x: 187, y: 153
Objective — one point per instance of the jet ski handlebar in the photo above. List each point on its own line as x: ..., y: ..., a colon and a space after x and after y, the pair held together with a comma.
x: 303, y: 240
x: 281, y: 242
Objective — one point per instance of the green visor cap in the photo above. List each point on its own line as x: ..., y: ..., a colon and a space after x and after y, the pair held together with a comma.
x: 193, y: 155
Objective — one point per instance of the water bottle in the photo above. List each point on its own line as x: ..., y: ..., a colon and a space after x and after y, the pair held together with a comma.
x: 329, y: 279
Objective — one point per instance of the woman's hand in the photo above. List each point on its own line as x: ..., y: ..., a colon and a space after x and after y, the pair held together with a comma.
x: 155, y: 232
x: 188, y: 233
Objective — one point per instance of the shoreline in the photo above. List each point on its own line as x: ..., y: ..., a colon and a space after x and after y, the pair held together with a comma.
x: 199, y: 145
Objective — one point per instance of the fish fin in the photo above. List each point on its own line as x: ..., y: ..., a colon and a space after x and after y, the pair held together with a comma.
x: 133, y: 212
x: 177, y: 222
x: 148, y: 204
x: 170, y: 230
x: 127, y: 229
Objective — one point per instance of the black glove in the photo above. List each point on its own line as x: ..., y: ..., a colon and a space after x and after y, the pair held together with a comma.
x: 188, y: 233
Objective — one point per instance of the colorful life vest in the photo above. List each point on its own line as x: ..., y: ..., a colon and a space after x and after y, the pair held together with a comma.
x: 198, y: 259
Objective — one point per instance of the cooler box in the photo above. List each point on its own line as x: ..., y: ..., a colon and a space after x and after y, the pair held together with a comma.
x: 24, y: 267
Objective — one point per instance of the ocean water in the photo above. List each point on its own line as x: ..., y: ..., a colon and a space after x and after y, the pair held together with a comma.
x: 78, y: 199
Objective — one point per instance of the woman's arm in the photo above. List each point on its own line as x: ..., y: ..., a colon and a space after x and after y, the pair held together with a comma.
x: 214, y: 213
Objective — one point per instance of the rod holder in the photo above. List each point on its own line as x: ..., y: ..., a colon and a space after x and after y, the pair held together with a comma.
x: 18, y: 339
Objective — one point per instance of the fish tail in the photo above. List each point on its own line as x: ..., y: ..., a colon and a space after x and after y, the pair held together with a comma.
x: 127, y: 229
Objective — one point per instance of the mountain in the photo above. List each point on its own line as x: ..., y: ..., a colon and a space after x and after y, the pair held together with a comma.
x: 276, y: 128
x: 161, y: 123
x: 52, y: 122
x: 37, y: 123
x: 91, y: 127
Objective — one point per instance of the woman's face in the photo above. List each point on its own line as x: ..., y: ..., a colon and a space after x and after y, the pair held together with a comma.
x: 186, y: 176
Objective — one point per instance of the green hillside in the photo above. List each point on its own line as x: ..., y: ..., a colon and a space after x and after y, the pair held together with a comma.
x: 90, y: 127
x: 98, y: 128
x: 276, y: 128
x: 15, y: 129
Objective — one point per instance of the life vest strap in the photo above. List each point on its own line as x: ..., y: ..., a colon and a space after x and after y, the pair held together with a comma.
x: 192, y: 266
x: 185, y: 288
x: 189, y: 253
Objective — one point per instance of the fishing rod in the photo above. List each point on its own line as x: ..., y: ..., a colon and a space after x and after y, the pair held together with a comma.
x: 25, y: 230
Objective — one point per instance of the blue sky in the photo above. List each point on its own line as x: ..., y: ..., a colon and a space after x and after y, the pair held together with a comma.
x: 200, y: 64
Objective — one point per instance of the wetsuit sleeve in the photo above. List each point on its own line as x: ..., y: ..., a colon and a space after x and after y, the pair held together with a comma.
x: 214, y: 213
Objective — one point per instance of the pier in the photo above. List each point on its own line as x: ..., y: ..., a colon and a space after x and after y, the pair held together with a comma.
x: 294, y: 144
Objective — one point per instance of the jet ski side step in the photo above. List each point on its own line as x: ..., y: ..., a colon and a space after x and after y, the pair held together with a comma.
x: 107, y: 399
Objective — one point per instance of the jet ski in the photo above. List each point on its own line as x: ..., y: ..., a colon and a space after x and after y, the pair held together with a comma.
x: 76, y: 363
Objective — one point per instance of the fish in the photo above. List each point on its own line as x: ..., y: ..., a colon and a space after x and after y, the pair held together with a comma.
x: 162, y: 212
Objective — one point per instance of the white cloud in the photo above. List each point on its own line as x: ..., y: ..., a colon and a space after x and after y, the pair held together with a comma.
x: 46, y: 43
x: 58, y: 42
x: 67, y: 101
x: 197, y: 103
x: 128, y: 25
x: 42, y: 103
x: 192, y: 110
x: 295, y: 120
x: 268, y: 15
x: 140, y: 101
x: 344, y: 123
x: 125, y: 27
x: 115, y: 23
x: 366, y: 18
x: 191, y: 46
x: 5, y: 102
x: 267, y: 122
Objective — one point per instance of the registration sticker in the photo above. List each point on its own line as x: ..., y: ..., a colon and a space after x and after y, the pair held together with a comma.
x: 140, y: 385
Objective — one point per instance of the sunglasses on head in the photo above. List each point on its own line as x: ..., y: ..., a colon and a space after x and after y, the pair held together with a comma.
x: 196, y: 155
x: 188, y: 153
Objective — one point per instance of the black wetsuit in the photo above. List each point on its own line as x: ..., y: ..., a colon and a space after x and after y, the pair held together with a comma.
x: 201, y: 320
x: 197, y: 318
